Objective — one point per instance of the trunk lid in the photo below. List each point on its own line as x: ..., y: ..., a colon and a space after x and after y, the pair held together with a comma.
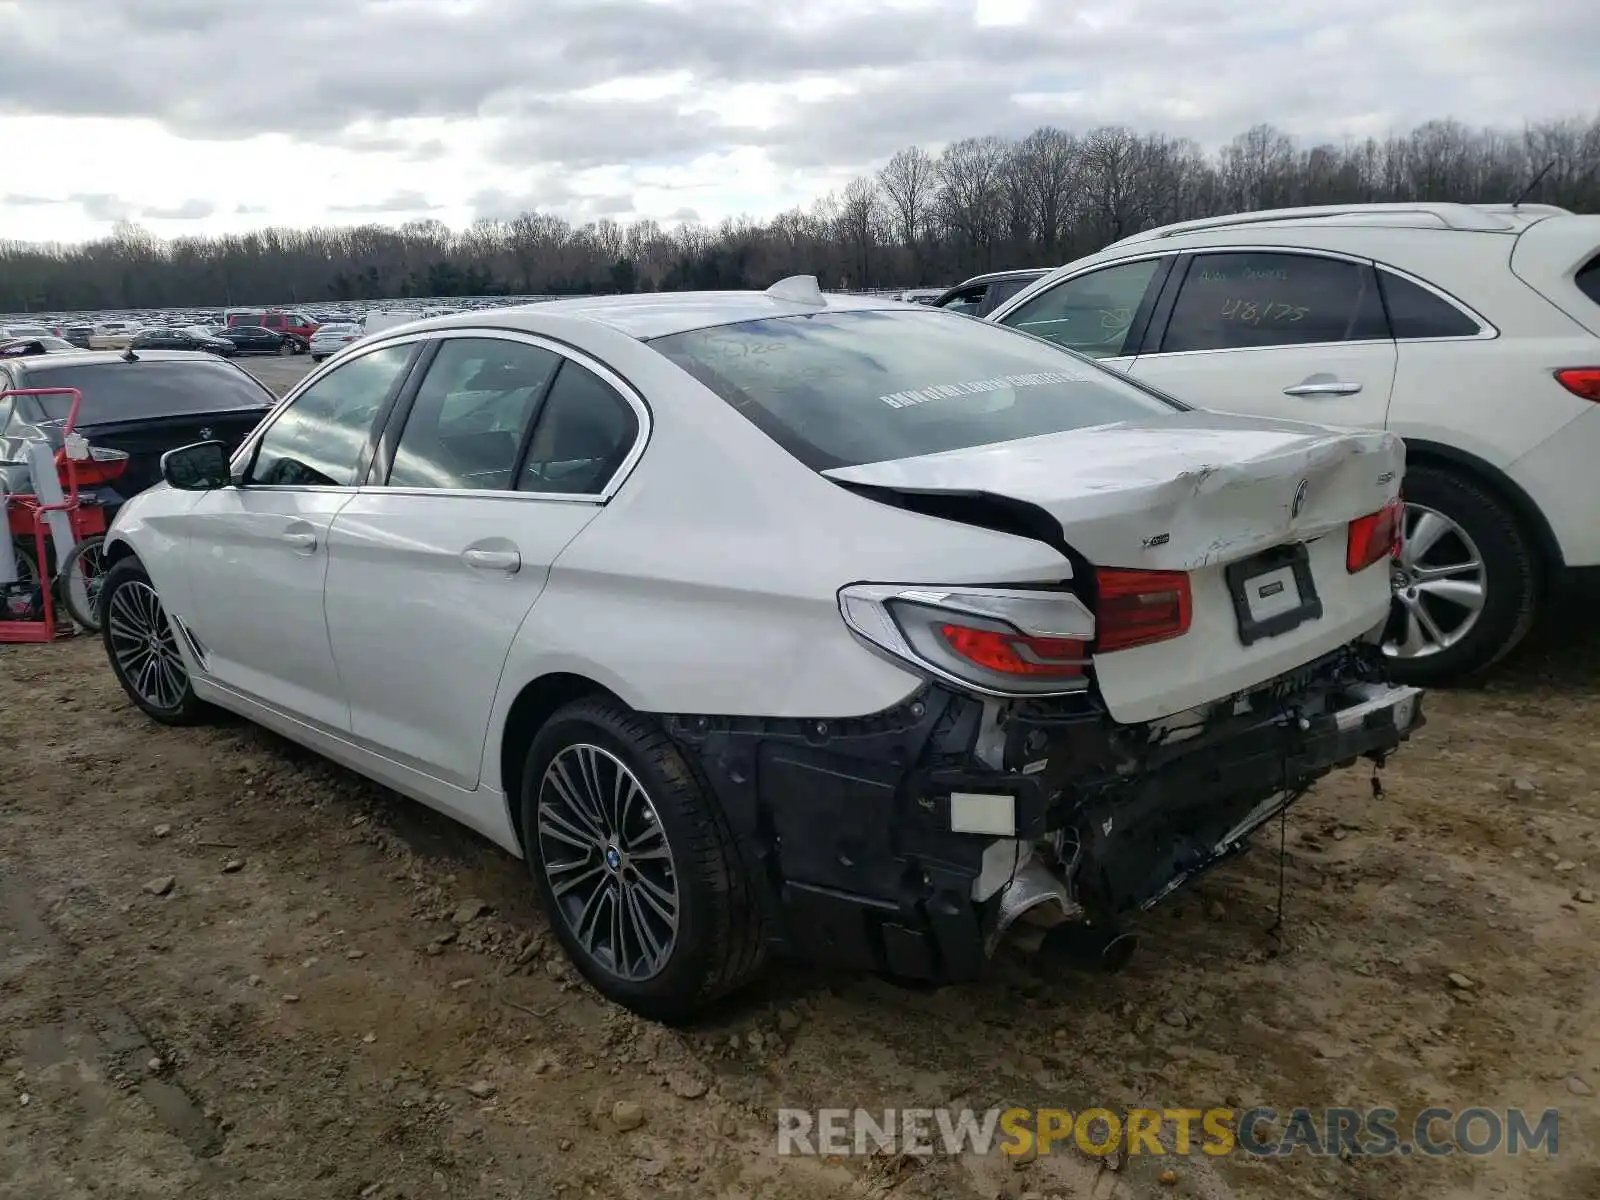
x: 1234, y: 501
x: 144, y: 441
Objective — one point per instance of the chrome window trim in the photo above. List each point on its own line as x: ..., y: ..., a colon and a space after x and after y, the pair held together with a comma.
x: 616, y: 382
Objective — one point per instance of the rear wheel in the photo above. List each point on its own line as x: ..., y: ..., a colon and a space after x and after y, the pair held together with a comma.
x: 142, y: 645
x: 635, y: 862
x: 1466, y: 584
x: 80, y: 579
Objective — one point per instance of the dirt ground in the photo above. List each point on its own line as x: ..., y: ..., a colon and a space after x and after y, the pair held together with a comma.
x: 230, y: 969
x: 318, y: 1007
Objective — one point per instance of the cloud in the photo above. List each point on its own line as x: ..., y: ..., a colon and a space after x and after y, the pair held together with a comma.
x: 398, y: 202
x: 489, y: 107
x: 189, y: 210
x: 684, y: 214
x: 13, y: 200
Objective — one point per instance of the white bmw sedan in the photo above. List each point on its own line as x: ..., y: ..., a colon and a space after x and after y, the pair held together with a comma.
x: 775, y: 620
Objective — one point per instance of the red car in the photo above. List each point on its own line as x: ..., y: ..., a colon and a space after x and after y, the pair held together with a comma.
x: 297, y: 325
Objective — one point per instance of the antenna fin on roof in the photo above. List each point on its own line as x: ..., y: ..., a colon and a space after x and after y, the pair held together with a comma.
x: 798, y: 289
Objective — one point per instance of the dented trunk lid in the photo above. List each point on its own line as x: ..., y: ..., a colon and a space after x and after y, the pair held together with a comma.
x: 1199, y: 492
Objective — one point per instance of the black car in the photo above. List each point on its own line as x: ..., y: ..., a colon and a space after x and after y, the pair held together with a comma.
x: 258, y: 339
x: 134, y: 408
x: 982, y: 294
x: 78, y: 335
x: 182, y: 339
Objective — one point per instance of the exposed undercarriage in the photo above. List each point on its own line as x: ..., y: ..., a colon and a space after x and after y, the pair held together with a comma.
x: 909, y: 841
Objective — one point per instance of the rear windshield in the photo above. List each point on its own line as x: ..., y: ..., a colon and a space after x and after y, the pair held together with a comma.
x: 846, y: 388
x: 124, y: 391
x: 1589, y: 279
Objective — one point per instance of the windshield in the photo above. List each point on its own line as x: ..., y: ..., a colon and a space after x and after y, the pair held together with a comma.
x: 840, y: 389
x: 124, y: 391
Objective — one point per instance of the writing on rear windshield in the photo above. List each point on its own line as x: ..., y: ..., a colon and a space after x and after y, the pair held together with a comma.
x: 975, y: 387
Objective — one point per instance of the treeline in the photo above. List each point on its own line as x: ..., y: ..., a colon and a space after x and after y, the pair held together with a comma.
x: 982, y: 203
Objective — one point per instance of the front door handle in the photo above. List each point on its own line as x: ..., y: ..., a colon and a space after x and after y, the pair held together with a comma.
x: 303, y: 542
x: 1331, y: 387
x: 508, y: 561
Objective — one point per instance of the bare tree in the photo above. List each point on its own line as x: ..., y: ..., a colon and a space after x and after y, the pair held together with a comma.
x: 910, y: 182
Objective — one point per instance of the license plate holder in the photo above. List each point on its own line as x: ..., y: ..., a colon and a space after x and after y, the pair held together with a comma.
x: 1273, y: 592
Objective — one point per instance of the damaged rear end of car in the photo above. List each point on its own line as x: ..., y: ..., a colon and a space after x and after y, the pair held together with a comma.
x: 1078, y: 749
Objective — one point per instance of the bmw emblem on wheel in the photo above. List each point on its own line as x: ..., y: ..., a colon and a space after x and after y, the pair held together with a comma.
x: 1299, y: 498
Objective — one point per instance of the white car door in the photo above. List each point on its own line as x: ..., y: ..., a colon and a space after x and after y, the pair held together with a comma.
x: 1293, y: 334
x: 1100, y: 312
x: 258, y: 552
x: 502, y: 455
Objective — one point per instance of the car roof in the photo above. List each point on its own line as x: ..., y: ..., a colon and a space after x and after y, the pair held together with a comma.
x: 659, y: 314
x: 88, y: 358
x: 1002, y: 276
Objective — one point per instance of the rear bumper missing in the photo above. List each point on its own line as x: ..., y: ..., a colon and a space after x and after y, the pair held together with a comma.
x: 887, y: 842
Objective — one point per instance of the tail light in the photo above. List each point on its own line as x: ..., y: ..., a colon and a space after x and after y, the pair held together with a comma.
x: 1581, y: 381
x: 1374, y: 537
x: 97, y: 465
x: 997, y: 641
x: 1138, y: 608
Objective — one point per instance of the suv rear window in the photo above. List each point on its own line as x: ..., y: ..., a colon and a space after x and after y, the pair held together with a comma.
x: 842, y: 389
x: 124, y: 391
x: 1589, y: 279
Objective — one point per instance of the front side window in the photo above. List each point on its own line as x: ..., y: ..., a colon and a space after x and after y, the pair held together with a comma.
x: 584, y: 434
x: 840, y: 389
x: 1415, y: 312
x: 1092, y: 314
x: 318, y: 439
x: 1252, y: 299
x: 470, y: 416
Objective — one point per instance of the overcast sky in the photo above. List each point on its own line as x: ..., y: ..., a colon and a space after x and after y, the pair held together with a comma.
x: 195, y: 116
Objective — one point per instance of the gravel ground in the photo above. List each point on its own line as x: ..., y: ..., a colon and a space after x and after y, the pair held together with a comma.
x: 278, y: 372
x: 229, y: 968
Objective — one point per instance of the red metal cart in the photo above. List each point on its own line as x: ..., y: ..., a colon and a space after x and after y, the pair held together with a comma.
x: 27, y: 517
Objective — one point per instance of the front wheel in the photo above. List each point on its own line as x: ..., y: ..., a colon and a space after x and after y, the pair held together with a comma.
x: 636, y: 864
x: 80, y: 579
x: 1466, y: 583
x: 142, y: 645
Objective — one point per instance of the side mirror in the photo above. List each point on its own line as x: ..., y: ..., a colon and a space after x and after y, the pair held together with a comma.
x: 202, y: 467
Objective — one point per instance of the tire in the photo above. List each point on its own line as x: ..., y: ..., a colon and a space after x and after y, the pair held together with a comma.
x: 716, y: 942
x: 1509, y: 581
x: 316, y: 358
x: 86, y: 556
x: 126, y: 597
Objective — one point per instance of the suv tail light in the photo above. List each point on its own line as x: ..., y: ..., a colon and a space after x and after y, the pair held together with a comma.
x: 1374, y: 537
x: 1581, y: 381
x: 997, y: 641
x: 1138, y: 608
x: 97, y: 465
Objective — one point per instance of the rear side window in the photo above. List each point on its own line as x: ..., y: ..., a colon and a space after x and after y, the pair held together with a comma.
x: 467, y: 423
x: 1251, y: 300
x: 124, y: 391
x: 1415, y: 312
x: 1589, y: 280
x: 845, y: 388
x: 584, y: 435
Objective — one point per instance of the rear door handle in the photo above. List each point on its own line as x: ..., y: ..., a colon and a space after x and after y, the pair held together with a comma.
x: 508, y: 561
x: 1334, y: 387
x: 305, y: 542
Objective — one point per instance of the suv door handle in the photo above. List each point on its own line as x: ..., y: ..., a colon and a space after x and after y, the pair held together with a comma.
x: 508, y: 561
x: 306, y: 542
x: 1333, y: 387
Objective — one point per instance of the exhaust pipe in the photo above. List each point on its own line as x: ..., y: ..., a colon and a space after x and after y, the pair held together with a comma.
x: 1085, y: 947
x: 1035, y: 892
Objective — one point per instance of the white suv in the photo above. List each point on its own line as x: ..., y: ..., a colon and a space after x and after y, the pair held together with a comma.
x: 1473, y: 331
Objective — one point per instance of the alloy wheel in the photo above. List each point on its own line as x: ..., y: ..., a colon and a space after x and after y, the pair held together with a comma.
x: 145, y: 647
x: 1440, y: 585
x: 608, y: 862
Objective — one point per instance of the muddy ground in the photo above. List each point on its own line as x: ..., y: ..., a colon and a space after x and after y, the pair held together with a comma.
x: 337, y: 993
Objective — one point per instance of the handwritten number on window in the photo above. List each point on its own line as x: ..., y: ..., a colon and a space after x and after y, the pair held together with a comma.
x: 1253, y: 312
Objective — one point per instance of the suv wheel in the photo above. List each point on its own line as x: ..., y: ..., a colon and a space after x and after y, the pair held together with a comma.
x: 635, y: 863
x: 1465, y: 584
